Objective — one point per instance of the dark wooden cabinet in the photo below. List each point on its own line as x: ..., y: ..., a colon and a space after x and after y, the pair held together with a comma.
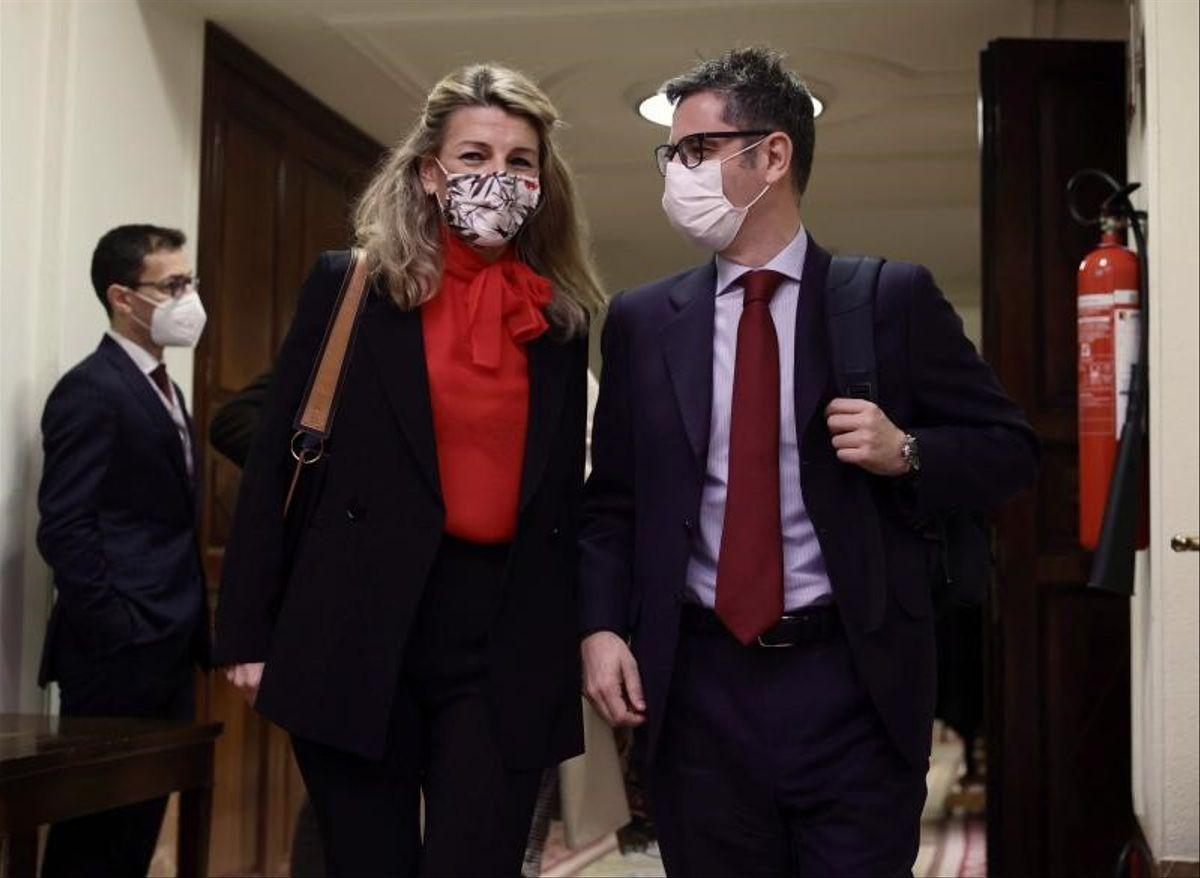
x: 280, y: 172
x: 1058, y: 654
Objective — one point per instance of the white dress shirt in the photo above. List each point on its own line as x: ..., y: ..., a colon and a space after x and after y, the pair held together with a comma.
x: 805, y: 579
x: 146, y: 363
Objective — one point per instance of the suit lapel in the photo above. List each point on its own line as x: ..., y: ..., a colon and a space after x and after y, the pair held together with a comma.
x: 395, y: 340
x: 141, y: 388
x: 812, y: 350
x: 549, y: 368
x: 687, y: 346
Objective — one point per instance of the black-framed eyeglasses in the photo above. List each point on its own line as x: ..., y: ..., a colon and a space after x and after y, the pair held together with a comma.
x: 173, y: 286
x: 691, y: 149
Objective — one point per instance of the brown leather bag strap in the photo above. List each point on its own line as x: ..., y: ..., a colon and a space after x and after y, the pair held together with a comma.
x: 314, y: 420
x: 316, y: 411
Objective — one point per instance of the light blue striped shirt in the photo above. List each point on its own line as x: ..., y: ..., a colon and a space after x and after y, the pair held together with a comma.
x: 804, y: 576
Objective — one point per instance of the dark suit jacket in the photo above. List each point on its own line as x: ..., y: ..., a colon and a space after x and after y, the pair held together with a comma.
x: 328, y: 601
x: 649, y: 453
x: 231, y: 430
x: 118, y: 516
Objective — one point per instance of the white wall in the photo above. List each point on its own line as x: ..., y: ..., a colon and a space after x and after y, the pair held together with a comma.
x: 101, y: 126
x: 1166, y: 608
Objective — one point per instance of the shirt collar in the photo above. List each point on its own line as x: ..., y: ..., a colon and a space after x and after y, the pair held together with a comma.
x: 789, y: 262
x: 142, y: 358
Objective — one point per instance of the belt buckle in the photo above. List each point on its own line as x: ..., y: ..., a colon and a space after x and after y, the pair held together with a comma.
x: 766, y: 644
x: 804, y: 621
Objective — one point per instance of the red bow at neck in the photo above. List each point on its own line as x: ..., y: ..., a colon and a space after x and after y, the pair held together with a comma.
x: 501, y: 296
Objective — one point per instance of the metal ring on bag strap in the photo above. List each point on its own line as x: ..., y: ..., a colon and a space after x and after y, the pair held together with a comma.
x: 306, y: 456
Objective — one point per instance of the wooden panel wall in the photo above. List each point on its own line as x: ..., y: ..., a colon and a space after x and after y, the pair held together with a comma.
x: 280, y: 172
x: 1058, y: 654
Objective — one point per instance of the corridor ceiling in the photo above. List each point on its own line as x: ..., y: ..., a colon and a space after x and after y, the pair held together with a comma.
x: 897, y: 166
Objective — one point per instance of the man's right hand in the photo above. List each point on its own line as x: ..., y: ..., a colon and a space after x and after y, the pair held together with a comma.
x: 611, y: 680
x: 245, y: 678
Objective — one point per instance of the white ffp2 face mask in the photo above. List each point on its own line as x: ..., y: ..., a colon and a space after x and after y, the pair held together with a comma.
x: 177, y: 322
x: 695, y: 203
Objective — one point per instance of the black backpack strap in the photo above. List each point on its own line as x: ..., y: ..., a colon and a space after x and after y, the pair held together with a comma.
x: 850, y: 318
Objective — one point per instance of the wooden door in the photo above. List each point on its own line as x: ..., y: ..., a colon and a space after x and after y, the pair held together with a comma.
x: 1059, y: 712
x: 280, y: 171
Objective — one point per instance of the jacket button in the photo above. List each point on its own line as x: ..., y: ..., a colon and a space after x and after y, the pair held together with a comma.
x: 354, y: 512
x: 554, y: 532
x: 689, y: 524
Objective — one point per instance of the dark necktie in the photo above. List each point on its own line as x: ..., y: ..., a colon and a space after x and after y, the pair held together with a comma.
x: 159, y: 374
x: 750, y: 564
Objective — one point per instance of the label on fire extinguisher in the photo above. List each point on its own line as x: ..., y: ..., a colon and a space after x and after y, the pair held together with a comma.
x: 1109, y: 340
x: 1097, y: 391
x: 1126, y: 351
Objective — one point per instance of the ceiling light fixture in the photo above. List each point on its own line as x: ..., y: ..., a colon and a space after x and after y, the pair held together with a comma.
x: 659, y: 110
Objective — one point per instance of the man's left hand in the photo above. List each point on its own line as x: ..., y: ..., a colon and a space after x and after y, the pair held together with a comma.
x: 863, y: 436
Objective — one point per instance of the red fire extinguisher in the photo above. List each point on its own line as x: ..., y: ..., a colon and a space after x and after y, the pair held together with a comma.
x: 1109, y: 341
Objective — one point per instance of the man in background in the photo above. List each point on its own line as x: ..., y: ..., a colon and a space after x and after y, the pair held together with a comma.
x: 118, y: 505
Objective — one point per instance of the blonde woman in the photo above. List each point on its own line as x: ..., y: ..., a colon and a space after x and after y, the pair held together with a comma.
x: 413, y: 623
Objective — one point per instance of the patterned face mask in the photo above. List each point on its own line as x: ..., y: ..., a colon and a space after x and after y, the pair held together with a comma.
x: 488, y: 210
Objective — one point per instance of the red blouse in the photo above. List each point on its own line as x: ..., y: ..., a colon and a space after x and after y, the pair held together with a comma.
x: 475, y: 332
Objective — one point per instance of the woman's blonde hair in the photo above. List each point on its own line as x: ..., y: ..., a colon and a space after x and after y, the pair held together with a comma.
x: 399, y: 225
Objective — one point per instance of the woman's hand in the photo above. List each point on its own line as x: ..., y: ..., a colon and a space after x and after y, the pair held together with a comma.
x: 245, y: 678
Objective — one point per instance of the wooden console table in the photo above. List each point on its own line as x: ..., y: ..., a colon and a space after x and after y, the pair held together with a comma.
x: 53, y: 768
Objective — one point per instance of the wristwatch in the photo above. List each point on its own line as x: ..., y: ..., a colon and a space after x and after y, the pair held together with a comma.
x: 910, y: 452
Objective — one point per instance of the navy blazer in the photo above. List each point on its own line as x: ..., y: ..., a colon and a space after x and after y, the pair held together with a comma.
x: 328, y: 599
x: 650, y: 449
x: 118, y: 516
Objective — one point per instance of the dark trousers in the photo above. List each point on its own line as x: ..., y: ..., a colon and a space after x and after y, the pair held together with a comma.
x: 442, y: 742
x: 154, y: 680
x: 774, y: 762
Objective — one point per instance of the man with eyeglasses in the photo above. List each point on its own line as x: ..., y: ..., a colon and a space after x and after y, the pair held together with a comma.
x: 754, y: 589
x: 118, y: 505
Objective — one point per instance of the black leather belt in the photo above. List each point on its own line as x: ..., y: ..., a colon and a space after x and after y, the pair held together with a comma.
x: 809, y: 625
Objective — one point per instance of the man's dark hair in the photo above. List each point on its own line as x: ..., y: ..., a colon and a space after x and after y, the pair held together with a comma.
x: 118, y: 256
x: 760, y: 93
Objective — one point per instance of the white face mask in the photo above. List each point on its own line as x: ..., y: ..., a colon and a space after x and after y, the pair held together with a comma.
x: 488, y: 210
x: 177, y: 322
x: 695, y: 203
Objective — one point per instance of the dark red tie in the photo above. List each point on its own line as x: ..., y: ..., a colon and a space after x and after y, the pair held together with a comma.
x: 750, y: 565
x: 159, y: 374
